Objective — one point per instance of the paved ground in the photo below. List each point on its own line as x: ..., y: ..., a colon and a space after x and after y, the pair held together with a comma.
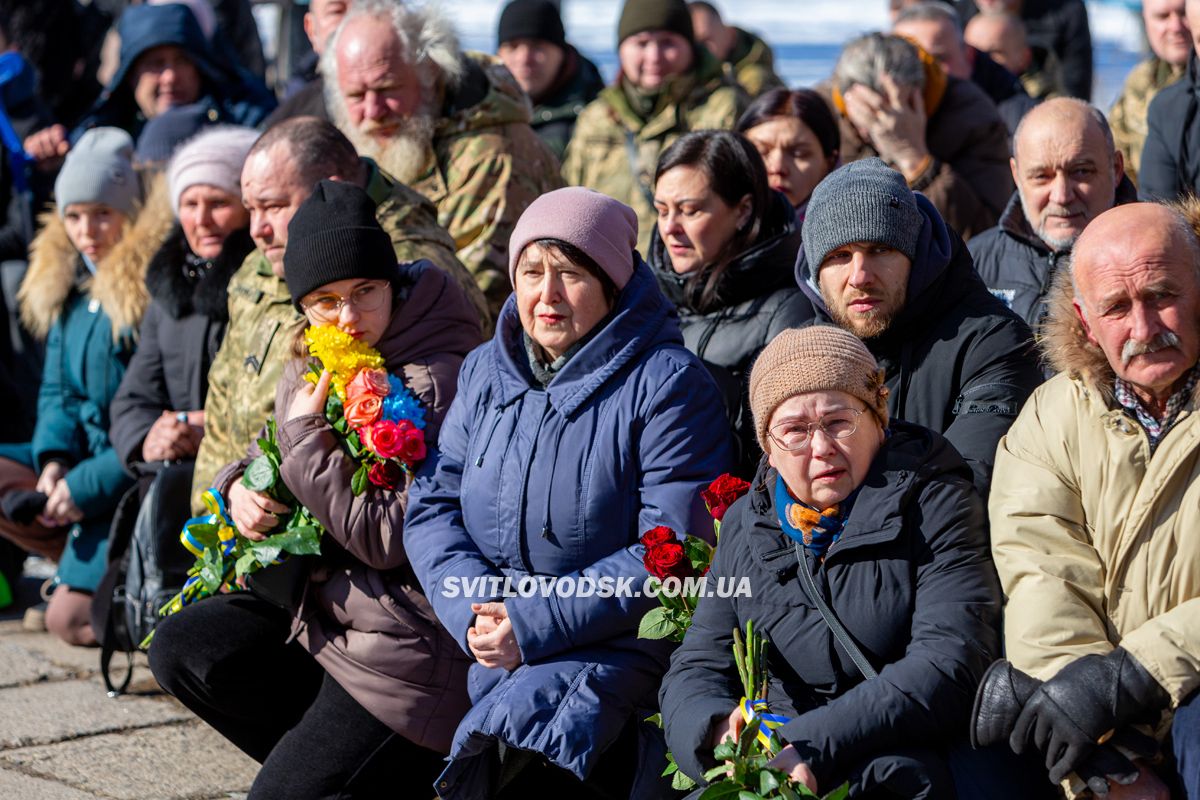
x: 63, y: 738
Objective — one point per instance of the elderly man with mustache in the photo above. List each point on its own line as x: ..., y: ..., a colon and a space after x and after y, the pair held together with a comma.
x: 1067, y: 171
x: 1095, y: 517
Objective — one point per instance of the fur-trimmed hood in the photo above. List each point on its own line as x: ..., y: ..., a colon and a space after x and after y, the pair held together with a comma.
x: 1063, y: 341
x: 178, y: 296
x: 119, y: 285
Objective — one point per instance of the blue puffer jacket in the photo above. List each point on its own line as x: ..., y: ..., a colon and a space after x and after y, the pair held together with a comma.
x: 562, y: 481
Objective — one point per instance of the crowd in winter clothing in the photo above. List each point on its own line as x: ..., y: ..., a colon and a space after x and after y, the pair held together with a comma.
x: 916, y: 308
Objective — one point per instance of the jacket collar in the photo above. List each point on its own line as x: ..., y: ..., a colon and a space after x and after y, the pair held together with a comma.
x: 206, y: 295
x: 1014, y: 222
x: 642, y: 319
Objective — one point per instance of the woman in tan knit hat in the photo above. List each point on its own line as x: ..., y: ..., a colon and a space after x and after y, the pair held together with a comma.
x: 865, y: 547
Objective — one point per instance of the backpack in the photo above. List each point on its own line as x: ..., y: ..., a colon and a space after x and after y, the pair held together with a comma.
x: 147, y: 565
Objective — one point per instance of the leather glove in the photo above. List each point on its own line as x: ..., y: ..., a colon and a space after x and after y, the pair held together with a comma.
x: 1067, y: 715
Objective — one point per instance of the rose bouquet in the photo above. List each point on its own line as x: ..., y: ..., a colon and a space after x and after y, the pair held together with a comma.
x: 667, y: 557
x: 377, y: 421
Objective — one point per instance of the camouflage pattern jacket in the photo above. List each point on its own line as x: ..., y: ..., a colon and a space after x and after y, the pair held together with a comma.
x: 615, y: 152
x: 489, y: 166
x: 753, y: 64
x: 263, y: 322
x: 1127, y: 118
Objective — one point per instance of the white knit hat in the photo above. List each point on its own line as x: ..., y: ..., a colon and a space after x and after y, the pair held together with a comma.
x: 213, y: 157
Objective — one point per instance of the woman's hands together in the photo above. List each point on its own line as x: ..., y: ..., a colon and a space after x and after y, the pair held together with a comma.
x: 491, y: 639
x: 60, y: 506
x: 790, y: 762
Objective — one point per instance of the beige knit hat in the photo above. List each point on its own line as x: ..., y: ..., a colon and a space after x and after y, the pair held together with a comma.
x: 814, y: 359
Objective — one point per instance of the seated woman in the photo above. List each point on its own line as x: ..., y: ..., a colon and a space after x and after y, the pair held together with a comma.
x: 582, y: 424
x: 158, y: 411
x: 889, y: 531
x: 84, y: 294
x: 356, y: 690
x: 724, y: 251
x: 798, y: 139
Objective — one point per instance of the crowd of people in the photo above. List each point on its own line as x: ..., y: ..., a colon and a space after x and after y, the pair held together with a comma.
x: 938, y: 311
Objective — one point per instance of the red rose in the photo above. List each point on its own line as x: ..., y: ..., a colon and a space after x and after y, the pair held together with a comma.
x: 667, y: 560
x: 412, y: 446
x: 385, y: 474
x: 722, y: 493
x: 658, y: 535
x: 383, y: 438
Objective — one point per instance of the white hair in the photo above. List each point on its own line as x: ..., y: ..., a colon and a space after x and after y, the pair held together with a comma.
x: 865, y: 59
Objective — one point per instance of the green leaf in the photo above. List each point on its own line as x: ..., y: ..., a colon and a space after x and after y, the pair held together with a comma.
x: 720, y: 791
x: 301, y: 541
x: 725, y: 751
x: 656, y: 719
x: 767, y: 782
x: 840, y: 793
x: 681, y: 782
x: 744, y: 795
x: 698, y: 551
x: 246, y: 564
x: 358, y: 483
x: 260, y: 475
x: 212, y: 573
x: 655, y: 624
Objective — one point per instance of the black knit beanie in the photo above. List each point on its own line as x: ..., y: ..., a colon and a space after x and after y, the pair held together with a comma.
x: 655, y: 15
x: 531, y: 19
x: 334, y: 236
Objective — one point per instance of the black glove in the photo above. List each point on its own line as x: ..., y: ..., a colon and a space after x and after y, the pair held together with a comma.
x: 1066, y: 716
x: 23, y: 506
x: 1106, y: 763
x: 1002, y: 694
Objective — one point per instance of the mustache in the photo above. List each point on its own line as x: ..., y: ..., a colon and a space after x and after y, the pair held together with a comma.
x: 1133, y: 348
x: 1061, y: 211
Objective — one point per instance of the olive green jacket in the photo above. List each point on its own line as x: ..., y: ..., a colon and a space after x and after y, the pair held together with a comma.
x: 1127, y: 118
x: 263, y: 324
x: 608, y: 133
x: 753, y: 64
x: 488, y: 166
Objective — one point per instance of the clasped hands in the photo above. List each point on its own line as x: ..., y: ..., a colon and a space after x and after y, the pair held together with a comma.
x: 60, y: 506
x: 174, y: 435
x: 491, y: 638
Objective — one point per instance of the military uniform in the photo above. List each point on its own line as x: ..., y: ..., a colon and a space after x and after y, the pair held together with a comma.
x: 614, y: 151
x: 753, y: 64
x: 263, y: 323
x: 489, y: 166
x: 1128, y: 115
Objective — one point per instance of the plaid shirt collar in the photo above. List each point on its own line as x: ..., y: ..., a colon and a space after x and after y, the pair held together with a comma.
x: 1155, y: 428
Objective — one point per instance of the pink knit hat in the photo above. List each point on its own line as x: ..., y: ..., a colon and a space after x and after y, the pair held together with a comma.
x: 603, y: 228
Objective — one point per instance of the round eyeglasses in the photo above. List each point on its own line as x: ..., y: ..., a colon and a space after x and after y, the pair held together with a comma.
x: 795, y: 434
x: 365, y: 299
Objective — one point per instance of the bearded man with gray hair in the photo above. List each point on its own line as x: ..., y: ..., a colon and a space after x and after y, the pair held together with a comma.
x: 1068, y: 171
x: 1095, y: 520
x: 941, y: 132
x: 451, y: 125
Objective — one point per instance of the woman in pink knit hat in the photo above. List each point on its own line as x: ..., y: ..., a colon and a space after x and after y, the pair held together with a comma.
x: 582, y: 424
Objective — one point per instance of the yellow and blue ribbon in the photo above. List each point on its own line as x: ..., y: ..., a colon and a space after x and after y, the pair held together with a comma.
x: 226, y: 530
x: 767, y: 722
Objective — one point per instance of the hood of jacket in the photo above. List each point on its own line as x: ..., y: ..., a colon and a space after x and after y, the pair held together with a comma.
x: 1014, y: 222
x: 576, y: 90
x: 641, y: 319
x: 119, y: 285
x: 178, y: 296
x: 764, y: 267
x: 147, y: 27
x: 487, y: 96
x: 436, y: 317
x: 941, y: 273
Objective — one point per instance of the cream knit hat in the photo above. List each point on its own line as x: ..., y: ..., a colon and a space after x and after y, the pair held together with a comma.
x: 814, y: 359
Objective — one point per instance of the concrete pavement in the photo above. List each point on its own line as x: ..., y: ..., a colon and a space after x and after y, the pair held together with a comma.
x: 63, y: 738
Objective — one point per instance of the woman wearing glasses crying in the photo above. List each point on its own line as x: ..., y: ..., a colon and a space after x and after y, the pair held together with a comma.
x: 355, y: 688
x: 880, y: 524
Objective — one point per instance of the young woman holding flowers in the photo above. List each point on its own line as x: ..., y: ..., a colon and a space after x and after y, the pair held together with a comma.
x: 377, y: 707
x: 885, y: 523
x: 581, y: 424
x: 85, y: 295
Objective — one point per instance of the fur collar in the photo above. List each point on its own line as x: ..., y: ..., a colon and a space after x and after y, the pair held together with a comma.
x: 177, y: 295
x: 119, y: 285
x: 1064, y: 342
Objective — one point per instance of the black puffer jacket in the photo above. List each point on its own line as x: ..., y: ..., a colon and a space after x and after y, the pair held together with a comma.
x: 1170, y: 166
x: 911, y: 579
x: 180, y: 334
x: 757, y: 298
x: 1017, y: 266
x: 957, y: 359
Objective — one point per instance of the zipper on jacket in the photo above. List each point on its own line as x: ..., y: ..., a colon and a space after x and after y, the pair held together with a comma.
x: 487, y: 442
x: 547, y: 530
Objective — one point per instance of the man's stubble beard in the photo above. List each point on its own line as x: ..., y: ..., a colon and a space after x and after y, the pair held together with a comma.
x: 872, y: 324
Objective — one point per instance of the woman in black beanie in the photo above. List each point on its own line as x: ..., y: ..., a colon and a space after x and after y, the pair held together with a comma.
x: 355, y: 687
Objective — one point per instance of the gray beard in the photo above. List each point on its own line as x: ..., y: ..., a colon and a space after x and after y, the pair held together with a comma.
x: 404, y: 156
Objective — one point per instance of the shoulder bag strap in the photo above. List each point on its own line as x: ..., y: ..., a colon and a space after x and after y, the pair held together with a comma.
x: 839, y: 631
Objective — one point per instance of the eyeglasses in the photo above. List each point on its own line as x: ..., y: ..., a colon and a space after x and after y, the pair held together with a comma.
x: 366, y: 298
x: 794, y: 434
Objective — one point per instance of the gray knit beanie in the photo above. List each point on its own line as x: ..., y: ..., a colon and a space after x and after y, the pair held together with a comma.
x: 99, y: 169
x: 863, y: 201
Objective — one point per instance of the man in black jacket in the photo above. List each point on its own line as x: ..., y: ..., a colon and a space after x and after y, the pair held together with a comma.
x: 879, y: 261
x: 1171, y: 155
x: 1068, y: 171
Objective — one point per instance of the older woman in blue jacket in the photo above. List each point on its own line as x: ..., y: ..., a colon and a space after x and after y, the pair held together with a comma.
x: 583, y: 423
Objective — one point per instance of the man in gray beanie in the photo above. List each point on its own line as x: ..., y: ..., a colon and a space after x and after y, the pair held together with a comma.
x: 879, y: 261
